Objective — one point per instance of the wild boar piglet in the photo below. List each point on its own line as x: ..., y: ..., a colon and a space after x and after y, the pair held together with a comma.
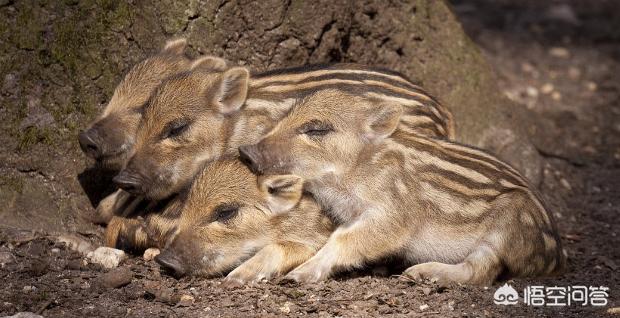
x: 110, y: 138
x: 458, y: 213
x: 230, y: 216
x: 196, y: 117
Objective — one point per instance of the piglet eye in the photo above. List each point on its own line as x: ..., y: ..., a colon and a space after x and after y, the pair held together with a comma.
x: 225, y: 212
x: 316, y: 128
x: 175, y: 128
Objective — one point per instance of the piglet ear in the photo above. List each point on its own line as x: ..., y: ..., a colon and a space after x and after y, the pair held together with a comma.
x: 231, y: 90
x: 175, y: 46
x: 382, y: 121
x: 208, y: 62
x: 281, y: 192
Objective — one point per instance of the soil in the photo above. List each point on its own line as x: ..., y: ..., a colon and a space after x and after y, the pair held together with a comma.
x: 559, y: 60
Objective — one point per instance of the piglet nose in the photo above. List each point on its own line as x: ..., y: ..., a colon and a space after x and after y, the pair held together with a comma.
x: 171, y: 263
x: 129, y: 182
x: 249, y: 155
x: 88, y: 143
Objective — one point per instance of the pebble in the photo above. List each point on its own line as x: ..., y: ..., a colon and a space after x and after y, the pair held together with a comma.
x: 556, y: 96
x: 451, y: 304
x: 562, y: 12
x: 6, y: 257
x: 559, y: 52
x: 286, y: 308
x: 161, y: 293
x: 427, y: 291
x: 547, y: 88
x: 186, y: 300
x: 574, y: 73
x: 150, y: 254
x: 424, y: 307
x: 107, y: 257
x: 591, y: 86
x: 76, y: 244
x: 531, y: 91
x: 116, y: 278
x: 24, y: 314
x: 29, y: 288
x: 527, y: 67
x: 566, y: 184
x: 55, y: 250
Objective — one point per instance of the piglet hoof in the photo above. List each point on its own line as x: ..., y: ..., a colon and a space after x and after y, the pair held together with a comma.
x: 413, y: 274
x: 431, y: 272
x: 302, y: 276
x: 232, y: 283
x: 150, y: 253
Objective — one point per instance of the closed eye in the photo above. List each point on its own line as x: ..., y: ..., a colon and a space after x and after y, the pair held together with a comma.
x: 225, y: 212
x: 316, y: 128
x: 175, y: 128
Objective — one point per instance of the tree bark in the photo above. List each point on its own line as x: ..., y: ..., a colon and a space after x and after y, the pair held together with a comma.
x: 61, y: 60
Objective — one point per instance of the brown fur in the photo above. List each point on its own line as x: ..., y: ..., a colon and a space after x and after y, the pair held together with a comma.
x: 114, y: 130
x: 199, y: 116
x: 461, y: 214
x: 219, y: 111
x: 228, y: 218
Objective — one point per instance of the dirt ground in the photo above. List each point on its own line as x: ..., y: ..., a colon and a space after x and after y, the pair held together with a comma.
x: 559, y: 59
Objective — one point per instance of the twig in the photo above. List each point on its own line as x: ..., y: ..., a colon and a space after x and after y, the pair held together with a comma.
x: 42, y: 308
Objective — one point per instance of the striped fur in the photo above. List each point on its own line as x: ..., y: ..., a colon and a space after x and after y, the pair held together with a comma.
x: 222, y: 110
x: 208, y: 102
x: 230, y: 218
x: 457, y: 212
x: 426, y: 116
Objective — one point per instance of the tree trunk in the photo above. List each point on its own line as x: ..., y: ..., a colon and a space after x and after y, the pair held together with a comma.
x: 60, y: 61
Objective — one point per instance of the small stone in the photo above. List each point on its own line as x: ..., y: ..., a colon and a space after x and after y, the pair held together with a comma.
x: 286, y: 308
x: 107, y: 257
x: 29, y: 288
x: 591, y: 86
x: 150, y: 254
x: 547, y: 88
x: 565, y: 184
x: 424, y: 307
x: 427, y: 291
x: 556, y: 96
x: 563, y: 12
x: 24, y: 314
x: 186, y: 300
x: 160, y: 293
x: 117, y: 278
x: 527, y: 67
x: 559, y: 52
x: 574, y: 73
x: 76, y: 244
x: 451, y: 304
x: 531, y: 91
x: 55, y: 250
x: 6, y: 257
